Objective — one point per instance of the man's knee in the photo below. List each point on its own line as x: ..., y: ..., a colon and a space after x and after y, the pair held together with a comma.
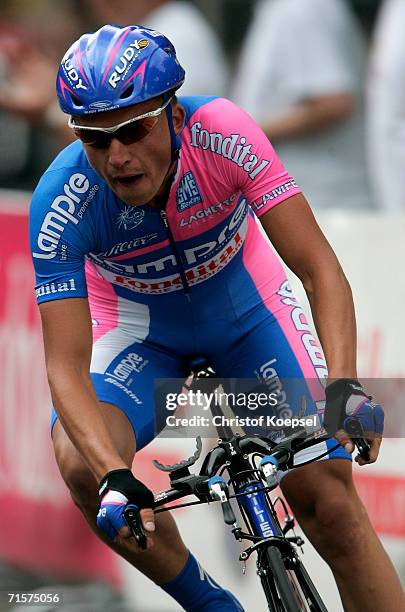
x: 329, y: 510
x: 340, y: 524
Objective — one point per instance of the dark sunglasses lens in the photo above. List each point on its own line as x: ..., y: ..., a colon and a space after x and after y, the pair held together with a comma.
x: 99, y: 140
x: 136, y: 131
x: 127, y: 135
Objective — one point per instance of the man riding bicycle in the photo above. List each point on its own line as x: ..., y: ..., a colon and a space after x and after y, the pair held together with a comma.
x: 147, y: 249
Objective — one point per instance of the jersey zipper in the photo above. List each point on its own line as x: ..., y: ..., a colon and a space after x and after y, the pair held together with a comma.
x: 184, y: 282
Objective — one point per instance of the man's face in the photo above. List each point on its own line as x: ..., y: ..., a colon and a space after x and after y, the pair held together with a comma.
x: 135, y: 172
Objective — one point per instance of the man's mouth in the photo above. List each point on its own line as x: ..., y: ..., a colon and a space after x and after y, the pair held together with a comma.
x: 128, y: 180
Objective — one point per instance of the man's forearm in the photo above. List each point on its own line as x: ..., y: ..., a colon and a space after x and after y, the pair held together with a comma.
x: 331, y: 302
x: 308, y: 117
x: 297, y: 238
x: 77, y: 407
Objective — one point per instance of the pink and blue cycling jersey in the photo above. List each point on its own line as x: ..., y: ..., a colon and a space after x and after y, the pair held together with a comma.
x: 197, y: 278
x: 223, y: 175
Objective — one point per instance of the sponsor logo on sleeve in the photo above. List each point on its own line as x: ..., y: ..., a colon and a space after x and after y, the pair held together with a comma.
x: 188, y: 193
x: 274, y: 194
x: 65, y: 208
x: 52, y: 288
x: 233, y: 147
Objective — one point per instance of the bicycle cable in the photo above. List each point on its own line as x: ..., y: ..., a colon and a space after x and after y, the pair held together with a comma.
x: 252, y: 471
x: 327, y: 452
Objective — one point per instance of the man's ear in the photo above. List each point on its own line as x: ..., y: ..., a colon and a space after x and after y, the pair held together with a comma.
x: 178, y: 114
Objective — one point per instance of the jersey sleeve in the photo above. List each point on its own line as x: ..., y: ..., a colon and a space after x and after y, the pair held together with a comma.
x: 246, y: 159
x: 60, y: 232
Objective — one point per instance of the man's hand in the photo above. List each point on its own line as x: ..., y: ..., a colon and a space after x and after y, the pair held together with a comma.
x: 117, y: 489
x: 346, y: 398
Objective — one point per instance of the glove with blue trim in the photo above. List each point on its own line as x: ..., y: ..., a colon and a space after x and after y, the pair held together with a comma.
x: 347, y: 398
x: 117, y: 489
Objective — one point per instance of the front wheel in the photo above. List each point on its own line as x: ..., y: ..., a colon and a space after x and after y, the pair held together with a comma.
x: 306, y: 589
x: 276, y: 582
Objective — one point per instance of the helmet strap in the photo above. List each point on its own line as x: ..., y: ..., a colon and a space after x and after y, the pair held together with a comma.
x: 175, y: 142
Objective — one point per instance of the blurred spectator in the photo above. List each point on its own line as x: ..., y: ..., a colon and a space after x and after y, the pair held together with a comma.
x: 300, y: 77
x: 31, y: 124
x: 196, y: 43
x: 32, y: 129
x: 386, y: 108
x: 15, y: 132
x: 26, y: 85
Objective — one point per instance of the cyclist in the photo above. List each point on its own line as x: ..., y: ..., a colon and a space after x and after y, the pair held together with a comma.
x: 147, y: 252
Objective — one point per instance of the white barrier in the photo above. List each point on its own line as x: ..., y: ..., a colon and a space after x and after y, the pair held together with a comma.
x: 371, y: 249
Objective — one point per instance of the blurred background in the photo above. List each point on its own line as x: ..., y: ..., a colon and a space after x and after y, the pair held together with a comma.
x: 326, y: 81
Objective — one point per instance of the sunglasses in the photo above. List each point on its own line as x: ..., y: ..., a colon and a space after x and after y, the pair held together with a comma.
x: 127, y: 132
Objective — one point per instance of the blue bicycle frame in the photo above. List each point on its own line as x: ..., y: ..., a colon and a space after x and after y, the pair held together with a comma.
x: 256, y: 506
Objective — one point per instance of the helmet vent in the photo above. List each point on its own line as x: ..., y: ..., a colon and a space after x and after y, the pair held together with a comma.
x: 76, y: 100
x: 128, y: 92
x: 168, y: 50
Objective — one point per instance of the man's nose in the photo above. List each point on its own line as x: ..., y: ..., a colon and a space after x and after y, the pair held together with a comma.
x: 118, y: 154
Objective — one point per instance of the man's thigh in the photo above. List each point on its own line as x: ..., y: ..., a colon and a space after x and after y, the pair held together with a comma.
x: 124, y: 378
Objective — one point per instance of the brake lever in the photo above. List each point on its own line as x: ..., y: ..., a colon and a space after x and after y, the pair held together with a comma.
x: 133, y: 520
x: 355, y: 431
x: 219, y: 491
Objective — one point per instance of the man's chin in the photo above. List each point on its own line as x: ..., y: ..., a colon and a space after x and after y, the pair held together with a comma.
x: 132, y: 194
x: 131, y: 200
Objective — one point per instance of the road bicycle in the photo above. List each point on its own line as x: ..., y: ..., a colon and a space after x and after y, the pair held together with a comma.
x: 252, y: 464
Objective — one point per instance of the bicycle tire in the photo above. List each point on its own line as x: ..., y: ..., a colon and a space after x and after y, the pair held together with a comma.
x: 309, y: 589
x: 286, y: 595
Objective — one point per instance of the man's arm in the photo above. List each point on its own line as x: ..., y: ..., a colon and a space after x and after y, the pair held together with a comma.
x: 309, y: 116
x: 67, y: 335
x: 300, y: 242
x: 296, y: 236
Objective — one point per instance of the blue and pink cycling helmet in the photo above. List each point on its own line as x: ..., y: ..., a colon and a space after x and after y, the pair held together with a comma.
x: 116, y: 67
